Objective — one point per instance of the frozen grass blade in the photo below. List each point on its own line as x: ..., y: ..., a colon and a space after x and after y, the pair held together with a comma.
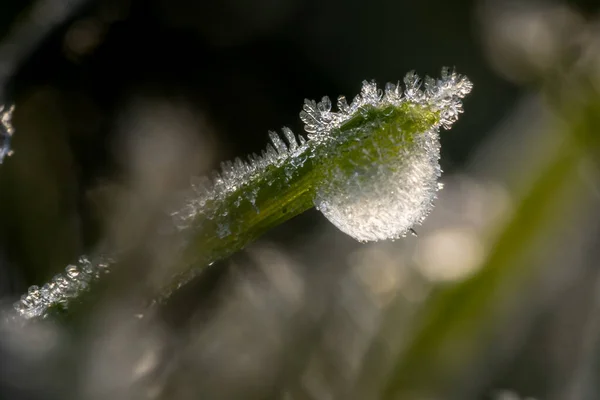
x: 371, y: 168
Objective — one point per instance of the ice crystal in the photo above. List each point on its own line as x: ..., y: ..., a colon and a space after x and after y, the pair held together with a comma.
x: 380, y: 200
x: 6, y: 131
x: 61, y: 289
x: 443, y: 95
x: 234, y: 176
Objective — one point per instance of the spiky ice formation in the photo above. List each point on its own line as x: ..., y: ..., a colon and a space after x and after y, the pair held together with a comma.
x: 6, y: 131
x: 61, y: 289
x: 443, y: 95
x: 206, y: 194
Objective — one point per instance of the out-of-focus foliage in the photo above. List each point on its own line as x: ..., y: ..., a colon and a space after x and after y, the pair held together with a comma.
x: 495, y: 299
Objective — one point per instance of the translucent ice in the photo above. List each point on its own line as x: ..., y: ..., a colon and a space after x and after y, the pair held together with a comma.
x: 378, y: 201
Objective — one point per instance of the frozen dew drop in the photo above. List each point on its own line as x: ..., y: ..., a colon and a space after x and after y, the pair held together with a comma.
x: 387, y: 189
x: 378, y: 201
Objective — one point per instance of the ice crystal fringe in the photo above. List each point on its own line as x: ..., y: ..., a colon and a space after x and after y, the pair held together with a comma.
x: 62, y: 289
x: 371, y: 168
x: 6, y: 131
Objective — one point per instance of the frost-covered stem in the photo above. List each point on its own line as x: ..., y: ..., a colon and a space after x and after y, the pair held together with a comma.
x: 226, y: 223
x: 371, y: 168
x: 231, y: 223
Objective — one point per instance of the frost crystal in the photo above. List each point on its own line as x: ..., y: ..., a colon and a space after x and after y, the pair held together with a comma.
x: 6, y: 131
x: 233, y: 176
x: 443, y: 95
x: 61, y: 289
x: 379, y: 201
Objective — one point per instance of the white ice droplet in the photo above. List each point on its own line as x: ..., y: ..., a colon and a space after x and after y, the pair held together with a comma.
x: 378, y: 201
x: 385, y: 194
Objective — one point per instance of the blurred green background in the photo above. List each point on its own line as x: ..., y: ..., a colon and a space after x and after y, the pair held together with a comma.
x: 120, y: 102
